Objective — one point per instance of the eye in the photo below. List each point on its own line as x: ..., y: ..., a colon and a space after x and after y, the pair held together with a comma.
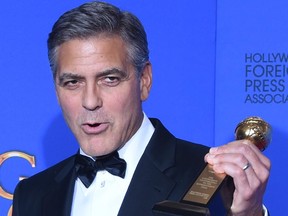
x: 70, y: 84
x: 111, y: 80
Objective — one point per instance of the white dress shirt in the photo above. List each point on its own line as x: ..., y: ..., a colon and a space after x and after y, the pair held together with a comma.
x: 106, y: 193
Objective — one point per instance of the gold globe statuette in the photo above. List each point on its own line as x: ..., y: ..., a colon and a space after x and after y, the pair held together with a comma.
x: 256, y: 130
x: 198, y: 200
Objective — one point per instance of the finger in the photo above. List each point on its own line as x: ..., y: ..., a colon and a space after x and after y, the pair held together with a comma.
x: 239, y: 161
x: 235, y: 165
x: 261, y: 156
x: 248, y: 187
x: 241, y: 180
x: 246, y: 148
x: 231, y: 164
x: 245, y: 181
x: 259, y: 163
x: 250, y: 182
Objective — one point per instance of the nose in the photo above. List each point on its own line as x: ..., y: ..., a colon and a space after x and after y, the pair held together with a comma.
x: 91, y: 98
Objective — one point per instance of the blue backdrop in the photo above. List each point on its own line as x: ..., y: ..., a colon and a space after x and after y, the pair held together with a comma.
x: 251, y: 79
x: 209, y: 69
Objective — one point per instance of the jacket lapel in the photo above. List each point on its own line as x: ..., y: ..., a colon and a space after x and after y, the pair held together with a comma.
x: 150, y: 183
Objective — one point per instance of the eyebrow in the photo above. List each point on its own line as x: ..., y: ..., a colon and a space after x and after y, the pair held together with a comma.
x: 111, y: 72
x: 68, y: 75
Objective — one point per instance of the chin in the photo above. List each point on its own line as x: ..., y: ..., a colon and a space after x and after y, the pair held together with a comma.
x: 96, y: 151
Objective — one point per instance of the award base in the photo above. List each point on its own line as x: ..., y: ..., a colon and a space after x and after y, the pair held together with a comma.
x: 210, y: 194
x: 170, y: 208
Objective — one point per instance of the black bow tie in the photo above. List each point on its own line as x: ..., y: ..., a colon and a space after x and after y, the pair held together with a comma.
x: 86, y: 168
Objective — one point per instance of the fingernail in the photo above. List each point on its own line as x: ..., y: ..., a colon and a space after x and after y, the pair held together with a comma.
x: 205, y: 157
x: 209, y: 158
x: 213, y: 150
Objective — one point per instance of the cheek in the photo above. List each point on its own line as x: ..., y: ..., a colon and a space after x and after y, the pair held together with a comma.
x: 126, y: 102
x: 69, y: 107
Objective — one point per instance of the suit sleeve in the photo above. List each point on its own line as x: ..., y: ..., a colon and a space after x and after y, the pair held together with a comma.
x: 16, y: 200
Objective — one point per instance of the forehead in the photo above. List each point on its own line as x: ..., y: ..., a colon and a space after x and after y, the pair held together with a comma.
x: 92, y: 52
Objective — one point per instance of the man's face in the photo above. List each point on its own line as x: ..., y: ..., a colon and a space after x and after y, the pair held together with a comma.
x: 99, y: 92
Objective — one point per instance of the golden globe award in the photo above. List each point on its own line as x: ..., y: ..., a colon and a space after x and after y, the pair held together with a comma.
x: 200, y: 198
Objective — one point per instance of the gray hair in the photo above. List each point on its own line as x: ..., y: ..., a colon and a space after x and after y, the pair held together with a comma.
x: 97, y: 19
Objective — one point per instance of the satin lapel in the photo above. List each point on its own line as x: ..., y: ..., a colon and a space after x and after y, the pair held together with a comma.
x: 58, y: 201
x: 150, y: 184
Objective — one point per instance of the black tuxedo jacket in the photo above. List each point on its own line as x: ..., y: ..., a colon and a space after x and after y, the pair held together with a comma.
x: 165, y: 171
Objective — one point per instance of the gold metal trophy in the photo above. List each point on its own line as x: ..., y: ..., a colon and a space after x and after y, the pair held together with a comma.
x: 212, y: 193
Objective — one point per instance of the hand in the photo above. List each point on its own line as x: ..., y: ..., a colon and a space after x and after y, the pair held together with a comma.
x: 250, y: 183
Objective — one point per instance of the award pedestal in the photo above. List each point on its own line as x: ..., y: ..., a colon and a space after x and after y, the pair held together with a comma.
x: 170, y: 208
x: 210, y: 193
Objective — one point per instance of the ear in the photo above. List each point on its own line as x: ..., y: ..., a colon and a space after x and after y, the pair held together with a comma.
x: 146, y: 81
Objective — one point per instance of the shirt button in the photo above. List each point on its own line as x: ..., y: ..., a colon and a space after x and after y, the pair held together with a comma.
x: 102, y: 184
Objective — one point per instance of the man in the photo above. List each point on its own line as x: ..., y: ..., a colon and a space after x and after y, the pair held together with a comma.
x: 100, y: 62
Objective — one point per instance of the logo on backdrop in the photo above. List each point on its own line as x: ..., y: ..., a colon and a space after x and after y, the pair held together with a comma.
x: 266, y: 78
x: 5, y: 156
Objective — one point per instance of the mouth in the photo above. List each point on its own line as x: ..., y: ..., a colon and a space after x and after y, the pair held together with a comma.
x: 94, y: 128
x: 93, y: 124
